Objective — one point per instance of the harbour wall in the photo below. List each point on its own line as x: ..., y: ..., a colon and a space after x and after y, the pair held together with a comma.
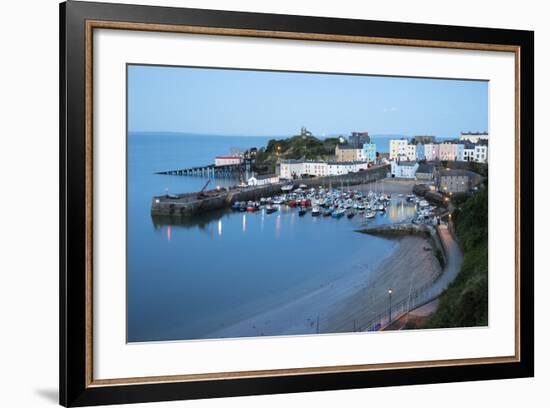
x: 186, y: 205
x: 360, y: 177
x: 405, y: 229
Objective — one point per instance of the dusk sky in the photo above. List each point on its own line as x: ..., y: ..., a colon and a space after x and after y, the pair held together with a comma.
x: 256, y: 103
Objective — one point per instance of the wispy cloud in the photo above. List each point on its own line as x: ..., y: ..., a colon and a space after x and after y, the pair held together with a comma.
x: 392, y: 109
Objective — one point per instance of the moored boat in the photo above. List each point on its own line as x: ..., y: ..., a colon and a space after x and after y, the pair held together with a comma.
x: 370, y: 215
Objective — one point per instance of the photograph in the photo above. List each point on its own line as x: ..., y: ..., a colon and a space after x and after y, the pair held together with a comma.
x: 286, y: 203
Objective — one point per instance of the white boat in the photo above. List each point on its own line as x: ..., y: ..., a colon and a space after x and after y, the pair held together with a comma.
x: 370, y: 214
x: 315, y: 212
x: 424, y: 203
x: 303, y: 186
x: 287, y: 187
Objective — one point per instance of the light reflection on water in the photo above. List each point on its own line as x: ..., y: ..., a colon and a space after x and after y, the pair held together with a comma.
x: 399, y: 211
x: 273, y: 258
x: 190, y: 277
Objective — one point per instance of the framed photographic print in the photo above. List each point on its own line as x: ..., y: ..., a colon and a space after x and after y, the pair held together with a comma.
x: 255, y: 203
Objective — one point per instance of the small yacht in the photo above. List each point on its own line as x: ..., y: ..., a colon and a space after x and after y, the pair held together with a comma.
x: 370, y: 215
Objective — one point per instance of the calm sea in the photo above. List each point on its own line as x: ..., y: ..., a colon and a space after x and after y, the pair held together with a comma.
x: 189, y: 278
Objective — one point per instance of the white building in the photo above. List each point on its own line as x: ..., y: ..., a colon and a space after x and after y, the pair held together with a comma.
x: 358, y: 166
x: 404, y: 169
x: 227, y: 160
x: 263, y: 180
x: 339, y: 168
x: 398, y: 149
x: 411, y: 152
x: 481, y: 153
x: 315, y: 168
x: 474, y: 137
x: 290, y: 169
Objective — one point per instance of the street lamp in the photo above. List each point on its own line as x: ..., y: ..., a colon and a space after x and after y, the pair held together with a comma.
x: 389, y: 293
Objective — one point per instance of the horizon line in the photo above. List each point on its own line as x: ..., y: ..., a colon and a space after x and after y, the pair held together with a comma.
x: 282, y: 135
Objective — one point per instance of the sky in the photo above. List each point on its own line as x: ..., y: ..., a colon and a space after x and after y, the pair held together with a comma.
x: 263, y: 103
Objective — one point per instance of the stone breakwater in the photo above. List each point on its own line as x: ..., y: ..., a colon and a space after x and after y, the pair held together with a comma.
x: 416, y: 229
x: 188, y: 204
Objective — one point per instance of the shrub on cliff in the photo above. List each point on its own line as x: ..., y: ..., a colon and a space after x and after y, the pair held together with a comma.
x: 465, y: 302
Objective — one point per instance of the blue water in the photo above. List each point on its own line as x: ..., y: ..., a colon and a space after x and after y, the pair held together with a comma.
x: 189, y: 278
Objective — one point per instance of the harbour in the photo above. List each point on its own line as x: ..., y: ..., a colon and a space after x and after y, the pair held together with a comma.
x: 262, y: 257
x: 187, y: 204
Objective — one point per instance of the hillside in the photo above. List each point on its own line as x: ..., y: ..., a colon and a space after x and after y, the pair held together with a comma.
x: 465, y: 302
x: 296, y: 147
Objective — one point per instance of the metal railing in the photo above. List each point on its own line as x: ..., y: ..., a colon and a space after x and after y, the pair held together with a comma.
x: 420, y: 296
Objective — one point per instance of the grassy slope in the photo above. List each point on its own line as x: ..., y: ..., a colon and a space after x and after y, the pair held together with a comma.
x: 465, y: 301
x: 296, y: 147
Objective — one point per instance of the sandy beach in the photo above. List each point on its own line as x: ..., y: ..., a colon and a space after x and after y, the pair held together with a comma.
x: 348, y: 303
